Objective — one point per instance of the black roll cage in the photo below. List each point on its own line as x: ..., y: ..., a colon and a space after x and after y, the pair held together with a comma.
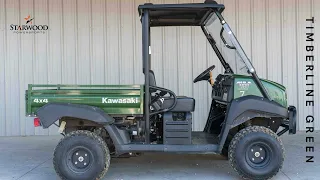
x: 189, y: 14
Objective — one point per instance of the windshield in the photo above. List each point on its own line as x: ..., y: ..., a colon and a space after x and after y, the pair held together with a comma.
x: 229, y: 53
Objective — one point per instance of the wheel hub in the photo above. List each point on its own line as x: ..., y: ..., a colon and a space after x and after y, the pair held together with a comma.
x: 80, y: 158
x: 257, y: 154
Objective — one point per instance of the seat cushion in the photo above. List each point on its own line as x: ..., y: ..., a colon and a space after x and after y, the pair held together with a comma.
x: 184, y: 104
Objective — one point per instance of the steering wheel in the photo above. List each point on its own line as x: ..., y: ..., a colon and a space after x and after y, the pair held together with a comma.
x: 203, y: 74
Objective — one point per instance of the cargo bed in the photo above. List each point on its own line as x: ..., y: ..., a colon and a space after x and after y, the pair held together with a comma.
x: 113, y: 99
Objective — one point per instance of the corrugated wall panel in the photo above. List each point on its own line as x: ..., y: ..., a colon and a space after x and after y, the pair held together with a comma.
x: 2, y: 68
x: 113, y: 44
x: 259, y: 41
x: 13, y: 55
x: 289, y: 49
x: 200, y: 89
x: 84, y: 41
x: 97, y: 42
x: 274, y: 50
x: 98, y: 45
x: 70, y: 42
x: 127, y: 35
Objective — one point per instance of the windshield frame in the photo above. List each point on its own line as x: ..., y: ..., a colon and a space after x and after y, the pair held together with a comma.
x: 238, y: 48
x: 233, y: 39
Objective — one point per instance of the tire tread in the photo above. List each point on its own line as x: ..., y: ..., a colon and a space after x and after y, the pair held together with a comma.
x: 242, y: 133
x: 94, y: 137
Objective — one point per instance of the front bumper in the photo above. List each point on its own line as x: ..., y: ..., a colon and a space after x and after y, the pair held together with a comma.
x: 290, y: 124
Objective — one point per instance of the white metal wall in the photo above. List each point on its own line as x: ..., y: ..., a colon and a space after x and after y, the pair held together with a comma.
x: 99, y: 42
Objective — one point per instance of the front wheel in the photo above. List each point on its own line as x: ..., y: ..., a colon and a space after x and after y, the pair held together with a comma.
x: 256, y: 152
x: 81, y: 155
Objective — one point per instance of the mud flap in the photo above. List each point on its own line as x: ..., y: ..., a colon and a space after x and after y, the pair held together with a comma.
x: 292, y: 120
x: 290, y: 124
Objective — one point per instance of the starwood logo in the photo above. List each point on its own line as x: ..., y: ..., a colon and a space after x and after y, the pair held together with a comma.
x: 29, y: 28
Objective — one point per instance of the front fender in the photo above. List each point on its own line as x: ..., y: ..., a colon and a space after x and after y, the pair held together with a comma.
x: 248, y: 107
x: 51, y: 112
x: 245, y: 108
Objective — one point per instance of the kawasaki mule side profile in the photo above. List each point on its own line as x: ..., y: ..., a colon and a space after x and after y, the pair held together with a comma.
x: 247, y: 116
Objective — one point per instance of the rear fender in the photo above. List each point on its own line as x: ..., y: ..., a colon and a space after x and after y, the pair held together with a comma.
x: 51, y: 112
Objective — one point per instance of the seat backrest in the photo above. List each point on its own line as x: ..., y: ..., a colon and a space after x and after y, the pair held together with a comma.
x: 152, y: 78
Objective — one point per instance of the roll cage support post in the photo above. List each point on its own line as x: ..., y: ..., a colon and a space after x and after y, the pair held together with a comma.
x: 146, y: 67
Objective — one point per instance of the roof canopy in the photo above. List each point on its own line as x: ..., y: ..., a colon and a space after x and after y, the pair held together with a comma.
x: 190, y: 14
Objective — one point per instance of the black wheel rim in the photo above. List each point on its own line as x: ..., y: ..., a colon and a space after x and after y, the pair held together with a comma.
x: 79, y: 159
x: 258, y: 155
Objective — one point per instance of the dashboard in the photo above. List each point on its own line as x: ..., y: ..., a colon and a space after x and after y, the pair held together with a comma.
x: 222, y: 89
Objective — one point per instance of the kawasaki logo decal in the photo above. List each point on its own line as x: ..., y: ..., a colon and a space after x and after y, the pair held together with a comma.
x: 120, y: 100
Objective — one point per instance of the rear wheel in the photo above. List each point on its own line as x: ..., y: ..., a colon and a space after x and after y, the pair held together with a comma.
x: 81, y: 155
x: 256, y: 152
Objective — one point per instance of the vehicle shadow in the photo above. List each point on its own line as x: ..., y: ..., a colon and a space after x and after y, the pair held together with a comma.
x: 171, y: 166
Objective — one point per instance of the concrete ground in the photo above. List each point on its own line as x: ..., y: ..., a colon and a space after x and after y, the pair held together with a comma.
x: 30, y: 158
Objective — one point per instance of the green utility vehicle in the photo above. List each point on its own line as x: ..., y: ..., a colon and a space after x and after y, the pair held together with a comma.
x: 246, y: 118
